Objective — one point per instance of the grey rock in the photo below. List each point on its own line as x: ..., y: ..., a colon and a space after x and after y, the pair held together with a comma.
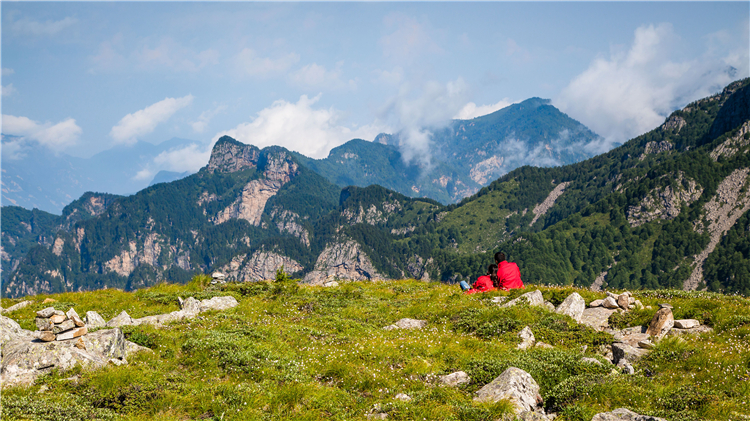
x: 686, y: 323
x: 71, y: 313
x: 532, y: 416
x: 625, y: 366
x: 661, y: 323
x: 190, y: 305
x: 549, y: 306
x: 612, y: 294
x: 46, y: 313
x: 71, y: 334
x: 402, y: 397
x: 330, y: 284
x: 342, y: 260
x: 10, y: 330
x: 515, y: 385
x: 527, y: 338
x: 533, y: 298
x: 64, y: 326
x: 24, y: 358
x: 58, y: 318
x: 543, y: 345
x: 624, y: 351
x: 18, y: 306
x: 596, y: 317
x: 46, y: 336
x: 610, y: 303
x: 596, y: 303
x: 122, y: 319
x: 646, y: 344
x: 573, y: 306
x: 407, y: 324
x: 692, y: 331
x: 638, y: 304
x: 133, y: 348
x: 43, y: 323
x: 499, y: 300
x: 94, y: 320
x: 623, y: 414
x: 455, y: 379
x: 218, y: 303
x: 589, y: 360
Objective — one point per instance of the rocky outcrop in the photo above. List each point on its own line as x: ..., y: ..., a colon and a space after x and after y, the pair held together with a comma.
x: 527, y: 338
x: 730, y: 202
x: 279, y: 169
x: 289, y: 222
x: 515, y: 385
x: 734, y: 144
x: 596, y: 317
x: 128, y: 259
x: 25, y: 357
x: 623, y: 414
x: 533, y: 298
x: 418, y: 268
x: 259, y: 266
x: 229, y: 155
x: 407, y: 324
x: 342, y: 260
x: 487, y: 169
x: 664, y: 202
x: 542, y: 208
x: 573, y: 306
x: 674, y: 122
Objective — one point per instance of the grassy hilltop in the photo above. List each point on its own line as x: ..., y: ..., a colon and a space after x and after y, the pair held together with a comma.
x: 297, y: 352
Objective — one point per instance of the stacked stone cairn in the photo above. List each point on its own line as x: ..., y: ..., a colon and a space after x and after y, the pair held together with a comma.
x: 56, y: 325
x: 218, y: 278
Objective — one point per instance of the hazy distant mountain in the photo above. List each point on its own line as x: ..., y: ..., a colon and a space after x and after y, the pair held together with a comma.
x: 167, y: 176
x: 464, y: 156
x: 47, y: 181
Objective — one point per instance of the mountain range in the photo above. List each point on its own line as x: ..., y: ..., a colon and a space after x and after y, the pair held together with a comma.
x: 665, y: 209
x: 465, y: 155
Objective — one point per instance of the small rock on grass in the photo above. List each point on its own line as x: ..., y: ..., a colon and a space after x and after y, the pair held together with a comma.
x: 407, y: 324
x: 46, y: 312
x: 94, y: 320
x: 527, y: 338
x: 455, y: 379
x: 403, y: 397
x: 623, y: 414
x: 686, y: 323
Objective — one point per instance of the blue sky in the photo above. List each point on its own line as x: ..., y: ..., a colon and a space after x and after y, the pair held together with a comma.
x: 79, y: 78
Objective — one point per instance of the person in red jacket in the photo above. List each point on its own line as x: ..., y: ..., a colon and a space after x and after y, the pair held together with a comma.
x: 508, y: 274
x: 485, y: 283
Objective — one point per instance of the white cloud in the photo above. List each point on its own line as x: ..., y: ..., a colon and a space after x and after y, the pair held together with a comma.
x: 300, y: 127
x: 189, y: 158
x: 8, y: 90
x: 149, y: 55
x: 144, y: 121
x: 472, y: 110
x: 200, y: 125
x: 54, y: 136
x: 8, y: 71
x: 25, y: 26
x: 417, y: 109
x: 248, y: 63
x: 386, y: 77
x: 317, y: 76
x: 633, y: 91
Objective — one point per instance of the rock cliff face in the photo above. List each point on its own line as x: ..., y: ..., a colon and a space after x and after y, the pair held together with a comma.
x: 259, y: 266
x: 735, y: 144
x: 664, y: 203
x: 342, y: 260
x: 731, y: 201
x: 229, y: 155
x: 289, y: 222
x: 542, y: 208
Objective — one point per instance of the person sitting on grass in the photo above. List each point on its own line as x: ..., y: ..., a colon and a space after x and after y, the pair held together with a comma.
x: 484, y: 283
x: 508, y: 274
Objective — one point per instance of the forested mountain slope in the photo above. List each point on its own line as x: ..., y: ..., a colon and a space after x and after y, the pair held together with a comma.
x: 666, y: 209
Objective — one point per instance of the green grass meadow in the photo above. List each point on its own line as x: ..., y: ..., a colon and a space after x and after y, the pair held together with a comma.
x: 312, y: 353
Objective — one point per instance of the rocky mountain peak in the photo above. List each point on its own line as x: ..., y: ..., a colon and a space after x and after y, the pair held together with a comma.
x: 229, y: 155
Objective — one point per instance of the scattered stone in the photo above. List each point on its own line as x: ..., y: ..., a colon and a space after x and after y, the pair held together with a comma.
x: 94, y: 320
x: 625, y: 367
x: 692, y: 331
x: 407, y: 324
x: 118, y: 361
x: 612, y: 294
x: 18, y: 306
x: 329, y: 284
x: 46, y: 313
x: 662, y: 322
x: 623, y: 301
x: 610, y: 303
x: 549, y: 306
x: 532, y: 416
x: 71, y: 313
x: 218, y: 303
x: 190, y: 305
x: 590, y: 360
x: 499, y: 300
x: 623, y: 414
x: 646, y: 344
x: 533, y: 298
x: 515, y: 385
x: 622, y: 351
x: 455, y: 379
x: 527, y: 338
x: 72, y: 334
x: 122, y: 319
x: 573, y: 306
x: 403, y: 397
x: 596, y: 303
x: 132, y: 348
x: 46, y: 336
x: 64, y: 326
x: 686, y: 323
x: 596, y: 317
x: 543, y: 345
x: 56, y: 319
x: 43, y: 323
x: 638, y: 304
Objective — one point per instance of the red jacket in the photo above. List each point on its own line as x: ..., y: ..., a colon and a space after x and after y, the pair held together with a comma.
x: 483, y: 284
x: 508, y: 275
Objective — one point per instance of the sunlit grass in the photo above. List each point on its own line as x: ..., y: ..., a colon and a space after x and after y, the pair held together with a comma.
x: 322, y: 353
